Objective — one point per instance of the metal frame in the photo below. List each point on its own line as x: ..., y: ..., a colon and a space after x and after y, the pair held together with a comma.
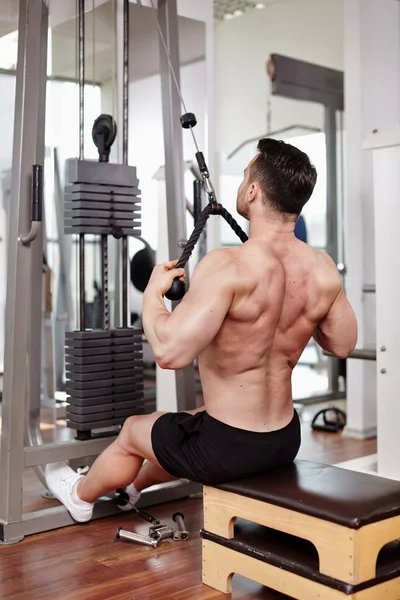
x: 174, y: 168
x: 384, y: 145
x: 299, y: 80
x: 21, y: 442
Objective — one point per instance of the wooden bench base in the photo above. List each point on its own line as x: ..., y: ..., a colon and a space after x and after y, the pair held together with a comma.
x: 220, y: 564
x: 339, y: 547
x: 311, y: 531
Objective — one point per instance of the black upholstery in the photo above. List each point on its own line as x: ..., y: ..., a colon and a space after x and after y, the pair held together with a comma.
x: 338, y: 495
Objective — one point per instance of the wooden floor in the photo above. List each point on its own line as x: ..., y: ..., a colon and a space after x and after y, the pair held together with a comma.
x: 85, y: 562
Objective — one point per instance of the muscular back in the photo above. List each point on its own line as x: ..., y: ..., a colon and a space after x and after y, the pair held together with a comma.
x: 282, y: 291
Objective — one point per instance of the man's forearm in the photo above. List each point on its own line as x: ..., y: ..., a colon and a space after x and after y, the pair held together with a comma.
x: 155, y: 321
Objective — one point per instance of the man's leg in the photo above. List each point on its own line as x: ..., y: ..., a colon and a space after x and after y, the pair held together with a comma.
x: 151, y: 474
x: 115, y: 468
x: 120, y: 463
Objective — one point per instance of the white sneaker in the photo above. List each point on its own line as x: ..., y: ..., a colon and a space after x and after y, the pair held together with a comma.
x: 134, y: 496
x: 61, y: 480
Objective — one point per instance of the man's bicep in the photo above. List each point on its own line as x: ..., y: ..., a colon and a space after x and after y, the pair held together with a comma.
x: 339, y: 327
x: 202, y: 311
x: 339, y: 312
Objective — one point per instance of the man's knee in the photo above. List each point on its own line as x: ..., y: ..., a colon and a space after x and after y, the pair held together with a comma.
x: 135, y: 435
x: 126, y: 437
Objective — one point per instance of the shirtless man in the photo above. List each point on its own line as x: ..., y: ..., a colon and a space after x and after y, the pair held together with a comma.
x: 248, y: 315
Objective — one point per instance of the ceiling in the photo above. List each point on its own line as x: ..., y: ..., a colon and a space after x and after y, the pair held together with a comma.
x: 100, y: 55
x: 224, y: 9
x: 144, y: 42
x: 8, y: 16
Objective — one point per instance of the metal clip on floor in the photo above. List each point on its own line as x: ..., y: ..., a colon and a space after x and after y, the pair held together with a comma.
x: 158, y: 532
x: 144, y: 540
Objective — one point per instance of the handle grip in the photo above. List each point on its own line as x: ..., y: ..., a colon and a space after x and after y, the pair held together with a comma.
x: 177, y: 290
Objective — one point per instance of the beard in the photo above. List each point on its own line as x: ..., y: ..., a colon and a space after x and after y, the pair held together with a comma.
x: 241, y: 205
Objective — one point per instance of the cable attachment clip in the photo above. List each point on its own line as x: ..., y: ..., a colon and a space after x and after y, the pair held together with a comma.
x: 188, y: 121
x: 208, y: 186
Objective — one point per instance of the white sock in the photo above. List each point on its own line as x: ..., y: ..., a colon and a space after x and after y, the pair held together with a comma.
x: 134, y: 496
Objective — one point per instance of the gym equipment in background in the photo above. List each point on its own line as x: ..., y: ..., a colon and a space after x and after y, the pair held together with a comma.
x: 22, y: 446
x: 104, y: 368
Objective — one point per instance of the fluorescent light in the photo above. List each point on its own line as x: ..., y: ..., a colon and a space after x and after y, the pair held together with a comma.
x: 259, y: 5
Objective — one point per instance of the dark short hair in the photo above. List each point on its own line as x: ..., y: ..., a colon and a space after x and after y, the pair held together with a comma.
x: 285, y: 175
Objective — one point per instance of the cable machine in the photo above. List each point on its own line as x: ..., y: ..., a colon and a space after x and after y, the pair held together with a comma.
x: 111, y: 210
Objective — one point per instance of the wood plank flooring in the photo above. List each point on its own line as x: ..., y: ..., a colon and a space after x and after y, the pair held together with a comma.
x: 86, y: 562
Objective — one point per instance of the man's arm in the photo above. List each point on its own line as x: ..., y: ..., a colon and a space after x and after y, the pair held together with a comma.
x: 337, y: 332
x: 177, y: 338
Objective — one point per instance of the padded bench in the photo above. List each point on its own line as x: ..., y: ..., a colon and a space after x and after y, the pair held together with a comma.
x: 308, y: 530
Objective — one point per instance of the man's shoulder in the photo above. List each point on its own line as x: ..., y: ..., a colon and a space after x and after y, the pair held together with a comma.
x: 324, y: 260
x: 220, y: 257
x: 329, y: 274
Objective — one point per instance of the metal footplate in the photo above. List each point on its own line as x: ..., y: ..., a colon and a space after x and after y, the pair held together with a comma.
x: 104, y: 371
x: 102, y: 199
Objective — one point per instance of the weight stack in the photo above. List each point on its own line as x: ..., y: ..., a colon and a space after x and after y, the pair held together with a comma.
x: 102, y: 199
x: 104, y: 371
x: 104, y: 367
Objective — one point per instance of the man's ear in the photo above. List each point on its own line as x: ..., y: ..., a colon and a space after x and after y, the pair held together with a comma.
x: 252, y: 191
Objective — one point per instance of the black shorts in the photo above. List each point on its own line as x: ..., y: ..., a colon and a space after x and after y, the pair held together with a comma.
x: 203, y: 449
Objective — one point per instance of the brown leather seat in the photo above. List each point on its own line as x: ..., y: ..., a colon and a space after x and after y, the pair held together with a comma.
x: 300, y: 556
x: 344, y: 497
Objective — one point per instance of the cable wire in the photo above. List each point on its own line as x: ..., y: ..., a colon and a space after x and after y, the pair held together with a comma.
x: 172, y: 70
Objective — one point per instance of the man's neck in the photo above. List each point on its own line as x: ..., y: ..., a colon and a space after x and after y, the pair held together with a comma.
x: 271, y: 228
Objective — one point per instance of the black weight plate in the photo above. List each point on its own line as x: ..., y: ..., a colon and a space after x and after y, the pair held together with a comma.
x: 128, y: 404
x: 106, y: 213
x: 125, y: 412
x: 88, y: 393
x: 95, y: 401
x: 73, y: 369
x: 72, y: 424
x: 129, y: 196
x: 80, y: 390
x: 99, y: 343
x: 87, y: 357
x: 89, y: 334
x: 100, y: 384
x: 107, y: 204
x: 91, y: 190
x: 94, y: 334
x: 109, y: 366
x: 83, y: 361
x: 92, y: 222
x: 89, y: 384
x: 71, y: 229
x: 89, y: 409
x: 109, y: 374
x: 132, y: 388
x: 92, y: 417
x: 115, y: 398
x: 83, y: 364
x: 76, y: 352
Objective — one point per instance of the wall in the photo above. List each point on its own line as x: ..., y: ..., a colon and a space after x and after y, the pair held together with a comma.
x: 146, y: 140
x: 310, y: 30
x: 7, y: 99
